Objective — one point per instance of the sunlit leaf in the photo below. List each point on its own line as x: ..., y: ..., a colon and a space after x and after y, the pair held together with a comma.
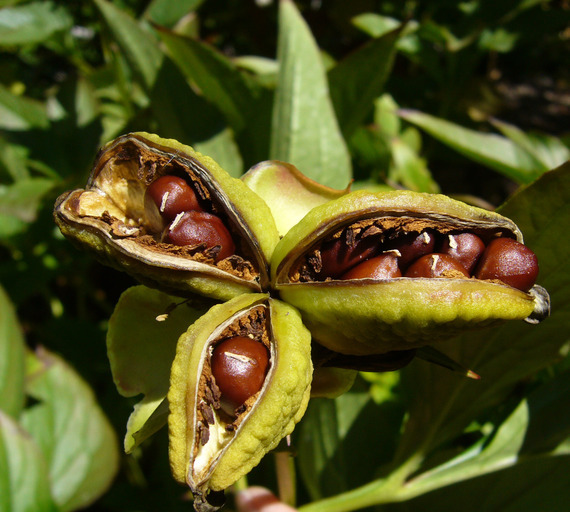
x: 491, y: 150
x: 548, y: 150
x: 32, y: 23
x: 305, y: 131
x: 12, y: 359
x: 409, y: 169
x: 19, y: 203
x: 24, y: 479
x: 355, y: 84
x: 72, y: 432
x: 138, y: 44
x: 21, y: 113
x: 168, y: 12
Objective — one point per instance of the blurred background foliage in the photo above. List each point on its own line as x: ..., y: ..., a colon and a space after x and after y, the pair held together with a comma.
x: 468, y: 98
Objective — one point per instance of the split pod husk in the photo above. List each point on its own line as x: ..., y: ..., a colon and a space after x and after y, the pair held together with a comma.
x: 114, y: 218
x: 374, y: 316
x: 210, y: 446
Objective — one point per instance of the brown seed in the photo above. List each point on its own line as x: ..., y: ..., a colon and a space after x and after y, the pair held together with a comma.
x: 172, y: 195
x: 412, y: 246
x: 384, y: 266
x: 436, y: 265
x: 239, y: 365
x: 509, y: 261
x: 465, y: 248
x: 337, y: 256
x: 195, y: 228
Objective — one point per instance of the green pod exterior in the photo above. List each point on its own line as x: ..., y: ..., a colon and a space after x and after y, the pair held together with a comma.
x: 367, y: 316
x: 116, y: 189
x: 280, y: 405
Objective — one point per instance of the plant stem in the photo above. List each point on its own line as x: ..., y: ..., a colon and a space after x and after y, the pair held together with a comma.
x: 385, y: 490
x: 285, y: 470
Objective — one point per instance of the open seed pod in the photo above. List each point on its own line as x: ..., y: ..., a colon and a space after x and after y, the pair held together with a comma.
x: 314, y: 267
x: 215, y: 240
x: 216, y: 436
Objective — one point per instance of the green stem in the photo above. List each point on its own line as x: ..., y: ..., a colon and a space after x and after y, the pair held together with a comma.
x: 285, y: 469
x: 385, y: 490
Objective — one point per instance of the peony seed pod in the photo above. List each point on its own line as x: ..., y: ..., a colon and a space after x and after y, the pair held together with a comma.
x: 126, y: 227
x: 211, y: 447
x: 374, y: 316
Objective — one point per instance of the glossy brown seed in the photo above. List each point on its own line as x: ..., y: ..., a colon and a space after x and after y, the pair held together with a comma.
x: 337, y: 256
x: 509, y: 261
x: 239, y: 366
x: 172, y: 195
x: 384, y: 266
x: 465, y: 248
x: 436, y: 265
x: 194, y: 228
x: 412, y: 246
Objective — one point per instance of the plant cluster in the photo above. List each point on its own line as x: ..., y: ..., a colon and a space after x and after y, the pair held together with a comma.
x: 466, y: 99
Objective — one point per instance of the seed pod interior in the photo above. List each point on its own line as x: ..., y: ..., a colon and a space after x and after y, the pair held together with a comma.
x: 376, y: 315
x: 116, y: 217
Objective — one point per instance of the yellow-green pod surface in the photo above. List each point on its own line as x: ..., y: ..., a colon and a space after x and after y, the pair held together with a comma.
x: 367, y: 316
x: 112, y: 218
x: 229, y: 453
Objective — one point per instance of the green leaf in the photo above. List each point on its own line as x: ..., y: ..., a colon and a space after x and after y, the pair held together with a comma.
x: 305, y: 131
x: 168, y: 12
x: 524, y: 457
x: 215, y: 75
x: 12, y: 359
x: 141, y: 350
x: 548, y: 150
x: 176, y: 114
x: 534, y: 430
x: 24, y: 479
x: 409, y: 169
x: 138, y: 44
x: 21, y: 113
x: 491, y: 150
x: 19, y: 203
x: 75, y: 437
x: 355, y: 83
x: 334, y: 434
x: 13, y: 161
x: 240, y: 99
x: 32, y: 23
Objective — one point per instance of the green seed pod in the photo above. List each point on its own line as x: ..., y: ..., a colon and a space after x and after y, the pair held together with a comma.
x: 209, y: 448
x: 115, y: 218
x: 288, y: 192
x: 374, y: 316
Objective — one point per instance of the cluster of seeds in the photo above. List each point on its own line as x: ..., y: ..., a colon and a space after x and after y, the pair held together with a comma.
x: 427, y: 253
x: 187, y: 222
